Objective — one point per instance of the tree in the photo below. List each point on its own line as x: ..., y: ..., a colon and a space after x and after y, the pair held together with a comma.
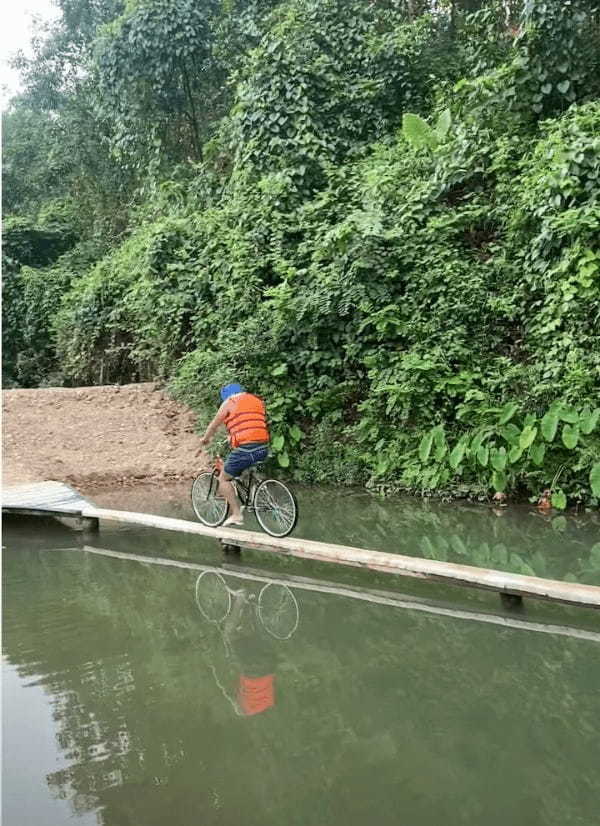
x: 158, y: 81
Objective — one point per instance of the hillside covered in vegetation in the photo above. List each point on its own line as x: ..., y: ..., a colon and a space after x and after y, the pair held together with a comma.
x: 383, y: 216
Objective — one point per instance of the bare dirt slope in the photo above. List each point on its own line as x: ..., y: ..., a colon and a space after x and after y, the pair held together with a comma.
x: 91, y: 436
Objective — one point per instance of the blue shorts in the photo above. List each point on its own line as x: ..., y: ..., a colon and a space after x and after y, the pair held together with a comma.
x: 242, y: 457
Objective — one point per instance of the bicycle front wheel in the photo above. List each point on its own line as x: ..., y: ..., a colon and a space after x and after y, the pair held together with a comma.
x: 212, y: 596
x: 275, y: 507
x: 209, y: 506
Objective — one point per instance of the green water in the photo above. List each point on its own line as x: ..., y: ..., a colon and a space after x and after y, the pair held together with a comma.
x: 271, y: 691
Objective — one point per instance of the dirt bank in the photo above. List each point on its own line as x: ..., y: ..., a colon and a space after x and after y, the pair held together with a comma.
x: 92, y: 436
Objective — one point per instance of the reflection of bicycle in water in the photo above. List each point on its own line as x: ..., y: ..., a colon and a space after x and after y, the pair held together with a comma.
x: 238, y: 615
x: 276, y: 607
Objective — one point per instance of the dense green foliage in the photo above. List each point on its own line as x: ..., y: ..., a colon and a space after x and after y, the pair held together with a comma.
x: 386, y: 220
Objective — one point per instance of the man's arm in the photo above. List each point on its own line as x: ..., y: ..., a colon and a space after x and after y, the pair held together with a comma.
x: 214, y: 425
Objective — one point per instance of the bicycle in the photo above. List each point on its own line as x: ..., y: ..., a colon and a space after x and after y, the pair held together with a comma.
x: 272, y: 502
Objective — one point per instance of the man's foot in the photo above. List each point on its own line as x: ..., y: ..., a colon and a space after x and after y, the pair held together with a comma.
x: 232, y: 521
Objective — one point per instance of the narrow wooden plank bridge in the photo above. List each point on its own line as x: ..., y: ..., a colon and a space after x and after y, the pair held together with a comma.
x: 56, y: 499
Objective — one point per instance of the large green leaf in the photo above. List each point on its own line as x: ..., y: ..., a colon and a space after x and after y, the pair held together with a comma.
x: 283, y: 459
x: 483, y: 455
x: 441, y: 448
x: 279, y: 370
x: 439, y: 437
x: 425, y: 446
x: 570, y: 436
x: 549, y: 425
x: 443, y: 124
x: 499, y: 481
x: 477, y: 440
x: 568, y: 414
x: 418, y: 132
x: 510, y: 433
x: 507, y: 412
x: 527, y: 437
x: 295, y: 433
x: 457, y: 455
x: 559, y: 500
x: 498, y: 458
x: 588, y: 420
x: 382, y: 466
x: 537, y: 453
x: 277, y: 443
x: 439, y: 440
x: 595, y: 479
x: 515, y: 454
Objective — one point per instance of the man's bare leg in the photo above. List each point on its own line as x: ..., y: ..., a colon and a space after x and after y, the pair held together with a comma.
x: 228, y: 493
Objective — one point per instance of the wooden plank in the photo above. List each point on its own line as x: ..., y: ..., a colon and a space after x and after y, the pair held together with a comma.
x: 446, y: 572
x: 389, y: 598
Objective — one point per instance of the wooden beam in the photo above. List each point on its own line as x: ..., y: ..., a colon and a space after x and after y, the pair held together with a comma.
x: 569, y: 593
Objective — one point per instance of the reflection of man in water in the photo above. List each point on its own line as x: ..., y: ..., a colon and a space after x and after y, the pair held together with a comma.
x: 256, y: 658
x: 256, y: 694
x: 250, y: 649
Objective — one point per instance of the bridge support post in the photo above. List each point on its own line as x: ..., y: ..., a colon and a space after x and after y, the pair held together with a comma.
x: 87, y: 524
x: 511, y: 600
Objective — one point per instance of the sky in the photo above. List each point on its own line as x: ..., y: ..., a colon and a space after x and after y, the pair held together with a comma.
x: 15, y: 34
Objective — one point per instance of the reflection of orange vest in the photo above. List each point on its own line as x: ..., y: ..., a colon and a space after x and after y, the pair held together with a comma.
x: 246, y: 420
x: 256, y: 694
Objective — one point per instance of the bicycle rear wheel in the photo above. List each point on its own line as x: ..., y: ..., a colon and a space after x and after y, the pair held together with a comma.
x: 209, y: 506
x: 275, y: 507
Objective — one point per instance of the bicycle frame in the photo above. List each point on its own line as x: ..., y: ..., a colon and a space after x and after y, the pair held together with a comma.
x: 245, y: 492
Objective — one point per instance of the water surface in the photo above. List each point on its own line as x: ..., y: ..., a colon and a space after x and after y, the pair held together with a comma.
x: 138, y: 693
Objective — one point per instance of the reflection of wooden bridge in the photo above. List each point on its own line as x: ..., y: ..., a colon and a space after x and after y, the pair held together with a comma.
x: 56, y: 499
x: 391, y: 599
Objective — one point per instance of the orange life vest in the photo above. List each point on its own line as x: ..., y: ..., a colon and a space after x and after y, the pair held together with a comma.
x: 246, y: 420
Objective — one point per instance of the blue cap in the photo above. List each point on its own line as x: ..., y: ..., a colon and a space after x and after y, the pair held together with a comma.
x: 230, y: 390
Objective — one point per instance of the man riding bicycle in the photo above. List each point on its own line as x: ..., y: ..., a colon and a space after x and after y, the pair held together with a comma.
x: 244, y: 415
